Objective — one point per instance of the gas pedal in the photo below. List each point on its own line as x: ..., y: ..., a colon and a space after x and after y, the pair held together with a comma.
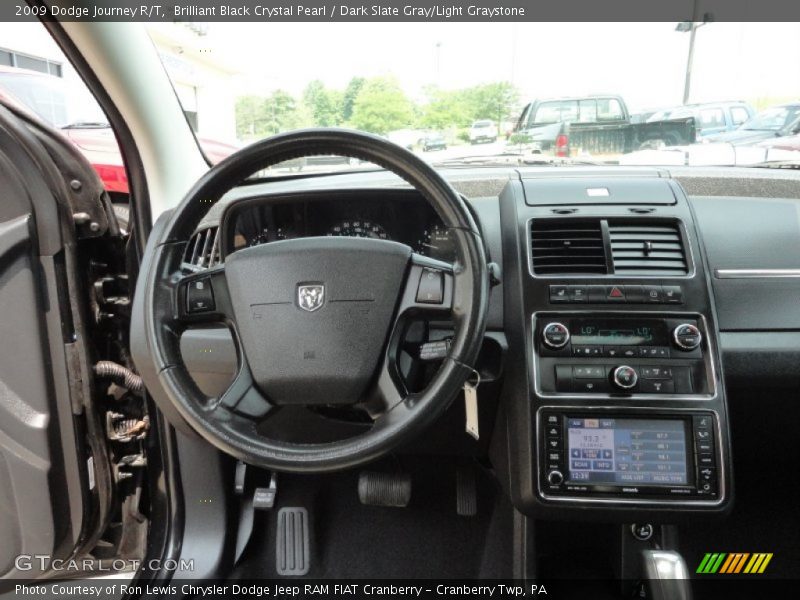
x: 466, y: 491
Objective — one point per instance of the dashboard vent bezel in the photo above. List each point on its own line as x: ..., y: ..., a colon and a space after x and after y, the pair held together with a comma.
x: 647, y: 247
x: 567, y: 246
x: 203, y: 250
x: 675, y: 224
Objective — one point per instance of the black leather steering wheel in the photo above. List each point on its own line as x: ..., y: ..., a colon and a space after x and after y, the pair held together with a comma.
x: 315, y: 320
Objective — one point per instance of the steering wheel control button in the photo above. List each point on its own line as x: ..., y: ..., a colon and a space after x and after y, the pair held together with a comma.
x: 555, y: 335
x: 199, y: 296
x: 625, y: 377
x: 431, y: 287
x: 642, y: 531
x: 687, y: 336
x: 559, y: 294
x: 555, y: 478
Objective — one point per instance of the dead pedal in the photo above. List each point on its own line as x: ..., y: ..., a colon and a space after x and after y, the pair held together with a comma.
x: 384, y: 489
x: 466, y: 491
x: 292, y: 550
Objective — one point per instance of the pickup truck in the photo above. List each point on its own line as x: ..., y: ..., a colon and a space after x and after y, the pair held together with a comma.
x: 596, y: 125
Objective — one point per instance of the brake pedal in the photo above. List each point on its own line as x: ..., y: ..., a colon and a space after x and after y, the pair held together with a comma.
x: 466, y: 491
x: 384, y: 489
x: 292, y: 546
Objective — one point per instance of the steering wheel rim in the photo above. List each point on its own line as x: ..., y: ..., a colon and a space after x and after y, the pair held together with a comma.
x: 400, y: 416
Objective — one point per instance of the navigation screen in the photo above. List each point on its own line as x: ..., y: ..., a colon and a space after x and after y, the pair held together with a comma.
x: 627, y: 451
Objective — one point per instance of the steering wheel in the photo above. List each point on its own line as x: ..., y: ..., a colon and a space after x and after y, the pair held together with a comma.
x: 315, y: 320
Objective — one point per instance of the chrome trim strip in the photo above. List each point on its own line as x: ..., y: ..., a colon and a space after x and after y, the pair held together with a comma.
x: 757, y: 273
x: 639, y: 501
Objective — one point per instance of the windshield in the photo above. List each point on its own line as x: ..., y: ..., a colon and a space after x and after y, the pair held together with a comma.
x: 773, y: 119
x: 52, y: 99
x: 486, y: 91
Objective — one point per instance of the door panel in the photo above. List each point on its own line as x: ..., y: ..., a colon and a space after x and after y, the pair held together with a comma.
x: 44, y: 496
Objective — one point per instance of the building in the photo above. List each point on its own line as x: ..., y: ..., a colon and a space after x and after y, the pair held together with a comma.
x: 202, y: 78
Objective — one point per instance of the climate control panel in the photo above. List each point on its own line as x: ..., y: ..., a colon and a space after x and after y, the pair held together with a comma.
x: 621, y: 354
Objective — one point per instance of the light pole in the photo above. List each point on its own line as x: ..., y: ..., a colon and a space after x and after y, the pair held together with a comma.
x: 436, y: 59
x: 692, y: 28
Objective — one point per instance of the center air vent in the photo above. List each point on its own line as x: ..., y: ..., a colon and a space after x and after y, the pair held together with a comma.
x: 567, y: 246
x: 649, y: 248
x: 202, y: 251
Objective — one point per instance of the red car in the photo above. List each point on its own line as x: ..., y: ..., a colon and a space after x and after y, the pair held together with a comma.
x: 76, y: 113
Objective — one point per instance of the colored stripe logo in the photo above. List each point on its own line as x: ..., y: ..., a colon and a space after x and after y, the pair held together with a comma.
x: 734, y: 563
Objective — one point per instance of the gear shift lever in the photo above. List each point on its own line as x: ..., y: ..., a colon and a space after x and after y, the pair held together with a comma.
x: 667, y: 575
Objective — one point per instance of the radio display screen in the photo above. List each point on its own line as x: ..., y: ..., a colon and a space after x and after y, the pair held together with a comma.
x: 619, y: 332
x: 607, y: 451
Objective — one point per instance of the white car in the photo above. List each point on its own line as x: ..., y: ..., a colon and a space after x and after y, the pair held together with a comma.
x: 483, y: 131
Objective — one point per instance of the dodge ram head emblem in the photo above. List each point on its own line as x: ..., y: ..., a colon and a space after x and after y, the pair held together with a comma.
x: 310, y: 297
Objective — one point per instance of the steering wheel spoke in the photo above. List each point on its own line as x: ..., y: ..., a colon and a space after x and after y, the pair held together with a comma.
x: 243, y: 397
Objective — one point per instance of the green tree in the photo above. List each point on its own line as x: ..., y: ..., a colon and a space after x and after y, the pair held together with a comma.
x: 324, y: 105
x: 382, y: 106
x: 495, y: 101
x: 349, y: 97
x: 445, y: 108
x: 262, y: 116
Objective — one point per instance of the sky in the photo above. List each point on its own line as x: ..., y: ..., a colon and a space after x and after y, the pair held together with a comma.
x: 644, y: 62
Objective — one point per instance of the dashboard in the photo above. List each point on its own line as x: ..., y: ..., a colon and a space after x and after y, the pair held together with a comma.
x: 401, y: 217
x: 628, y: 329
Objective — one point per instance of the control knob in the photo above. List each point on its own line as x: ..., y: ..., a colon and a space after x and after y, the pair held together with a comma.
x: 625, y: 377
x: 555, y: 335
x: 555, y: 478
x: 687, y: 336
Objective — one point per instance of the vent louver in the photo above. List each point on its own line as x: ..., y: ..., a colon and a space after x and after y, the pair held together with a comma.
x: 567, y: 246
x: 202, y: 252
x: 647, y: 249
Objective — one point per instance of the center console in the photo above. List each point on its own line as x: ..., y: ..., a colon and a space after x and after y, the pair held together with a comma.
x: 624, y: 407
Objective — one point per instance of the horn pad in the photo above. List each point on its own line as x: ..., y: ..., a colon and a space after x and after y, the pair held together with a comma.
x: 314, y: 314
